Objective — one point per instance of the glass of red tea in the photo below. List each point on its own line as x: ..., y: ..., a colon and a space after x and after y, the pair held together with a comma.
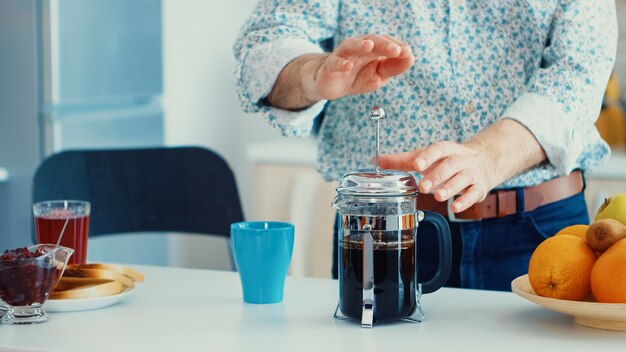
x: 67, y: 217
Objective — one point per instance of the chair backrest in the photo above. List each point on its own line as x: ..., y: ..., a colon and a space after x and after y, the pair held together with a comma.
x: 182, y: 189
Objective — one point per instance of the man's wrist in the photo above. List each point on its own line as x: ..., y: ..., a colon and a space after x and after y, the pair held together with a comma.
x: 295, y: 87
x: 509, y: 149
x: 310, y: 68
x: 492, y: 160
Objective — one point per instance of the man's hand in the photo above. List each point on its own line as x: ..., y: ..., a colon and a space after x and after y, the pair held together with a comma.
x: 473, y: 168
x: 361, y: 65
x: 449, y: 168
x: 358, y: 65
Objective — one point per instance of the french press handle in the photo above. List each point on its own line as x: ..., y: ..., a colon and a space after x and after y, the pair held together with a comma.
x: 445, y: 252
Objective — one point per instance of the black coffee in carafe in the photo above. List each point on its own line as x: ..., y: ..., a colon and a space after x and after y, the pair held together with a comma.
x: 394, y: 275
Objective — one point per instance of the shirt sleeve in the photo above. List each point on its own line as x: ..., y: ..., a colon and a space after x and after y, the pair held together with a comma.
x: 275, y: 34
x: 563, y: 97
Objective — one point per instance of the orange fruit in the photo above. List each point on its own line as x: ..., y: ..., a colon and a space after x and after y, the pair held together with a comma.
x: 608, y: 277
x: 560, y: 267
x: 576, y: 230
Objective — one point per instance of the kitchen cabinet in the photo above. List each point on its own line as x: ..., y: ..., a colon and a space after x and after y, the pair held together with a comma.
x: 288, y: 188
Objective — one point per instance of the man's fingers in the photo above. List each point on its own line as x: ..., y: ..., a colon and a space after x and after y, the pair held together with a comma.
x: 393, y: 39
x: 354, y: 47
x: 437, y: 176
x: 366, y: 79
x: 400, y: 161
x: 405, y: 48
x: 432, y: 154
x: 335, y: 63
x: 471, y: 196
x: 393, y: 67
x: 457, y: 183
x: 383, y: 46
x: 377, y: 45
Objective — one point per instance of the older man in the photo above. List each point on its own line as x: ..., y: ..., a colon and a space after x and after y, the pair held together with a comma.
x: 491, y: 105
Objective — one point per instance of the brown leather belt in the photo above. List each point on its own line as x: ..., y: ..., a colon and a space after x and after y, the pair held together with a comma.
x: 500, y: 203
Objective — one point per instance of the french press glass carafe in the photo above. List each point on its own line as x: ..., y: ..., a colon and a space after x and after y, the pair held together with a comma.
x: 377, y: 245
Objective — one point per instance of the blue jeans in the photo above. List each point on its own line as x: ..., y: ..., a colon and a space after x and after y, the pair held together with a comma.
x: 489, y: 254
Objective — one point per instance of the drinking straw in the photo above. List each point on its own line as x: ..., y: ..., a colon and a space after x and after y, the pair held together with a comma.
x: 62, y: 231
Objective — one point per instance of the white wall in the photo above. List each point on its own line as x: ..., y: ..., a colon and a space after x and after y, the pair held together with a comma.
x: 201, y: 106
x: 200, y: 103
x: 620, y: 62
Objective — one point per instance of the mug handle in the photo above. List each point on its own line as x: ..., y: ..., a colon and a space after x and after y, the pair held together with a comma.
x: 445, y: 252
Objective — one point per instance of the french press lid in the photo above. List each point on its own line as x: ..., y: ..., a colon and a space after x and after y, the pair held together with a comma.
x: 373, y: 182
x: 377, y: 182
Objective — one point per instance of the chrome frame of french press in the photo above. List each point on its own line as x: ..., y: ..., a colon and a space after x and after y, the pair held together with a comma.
x: 372, y: 223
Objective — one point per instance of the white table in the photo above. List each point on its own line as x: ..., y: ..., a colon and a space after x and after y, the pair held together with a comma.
x: 192, y: 310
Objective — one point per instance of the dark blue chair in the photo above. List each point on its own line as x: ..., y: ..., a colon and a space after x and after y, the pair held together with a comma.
x: 178, y: 189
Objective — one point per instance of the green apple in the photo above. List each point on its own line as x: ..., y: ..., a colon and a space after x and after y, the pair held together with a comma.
x: 613, y: 208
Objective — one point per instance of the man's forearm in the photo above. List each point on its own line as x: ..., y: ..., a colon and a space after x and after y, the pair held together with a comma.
x: 512, y: 146
x: 295, y: 87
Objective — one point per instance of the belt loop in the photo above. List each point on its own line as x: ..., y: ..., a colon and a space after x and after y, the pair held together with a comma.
x: 582, y: 175
x: 500, y: 207
x: 519, y: 205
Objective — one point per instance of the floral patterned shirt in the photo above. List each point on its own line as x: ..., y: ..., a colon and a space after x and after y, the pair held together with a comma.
x: 543, y: 63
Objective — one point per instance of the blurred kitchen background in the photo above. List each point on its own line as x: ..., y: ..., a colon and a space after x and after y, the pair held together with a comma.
x: 136, y: 73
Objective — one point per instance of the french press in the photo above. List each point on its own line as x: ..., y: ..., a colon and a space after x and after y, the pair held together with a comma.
x: 377, y: 244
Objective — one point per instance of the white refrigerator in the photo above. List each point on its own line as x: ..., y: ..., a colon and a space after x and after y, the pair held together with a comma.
x: 73, y: 74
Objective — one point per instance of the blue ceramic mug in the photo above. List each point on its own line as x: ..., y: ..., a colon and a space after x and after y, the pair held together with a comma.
x: 262, y: 252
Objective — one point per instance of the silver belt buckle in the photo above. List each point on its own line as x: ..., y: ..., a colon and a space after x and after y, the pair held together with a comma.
x: 452, y: 216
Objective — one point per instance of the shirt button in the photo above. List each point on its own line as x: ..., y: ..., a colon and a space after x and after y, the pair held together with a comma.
x: 457, y: 2
x: 460, y: 58
x: 469, y: 108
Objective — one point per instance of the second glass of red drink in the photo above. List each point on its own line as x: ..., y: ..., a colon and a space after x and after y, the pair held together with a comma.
x: 67, y: 217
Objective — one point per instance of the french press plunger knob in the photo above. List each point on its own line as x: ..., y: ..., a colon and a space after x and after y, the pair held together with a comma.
x: 377, y: 114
